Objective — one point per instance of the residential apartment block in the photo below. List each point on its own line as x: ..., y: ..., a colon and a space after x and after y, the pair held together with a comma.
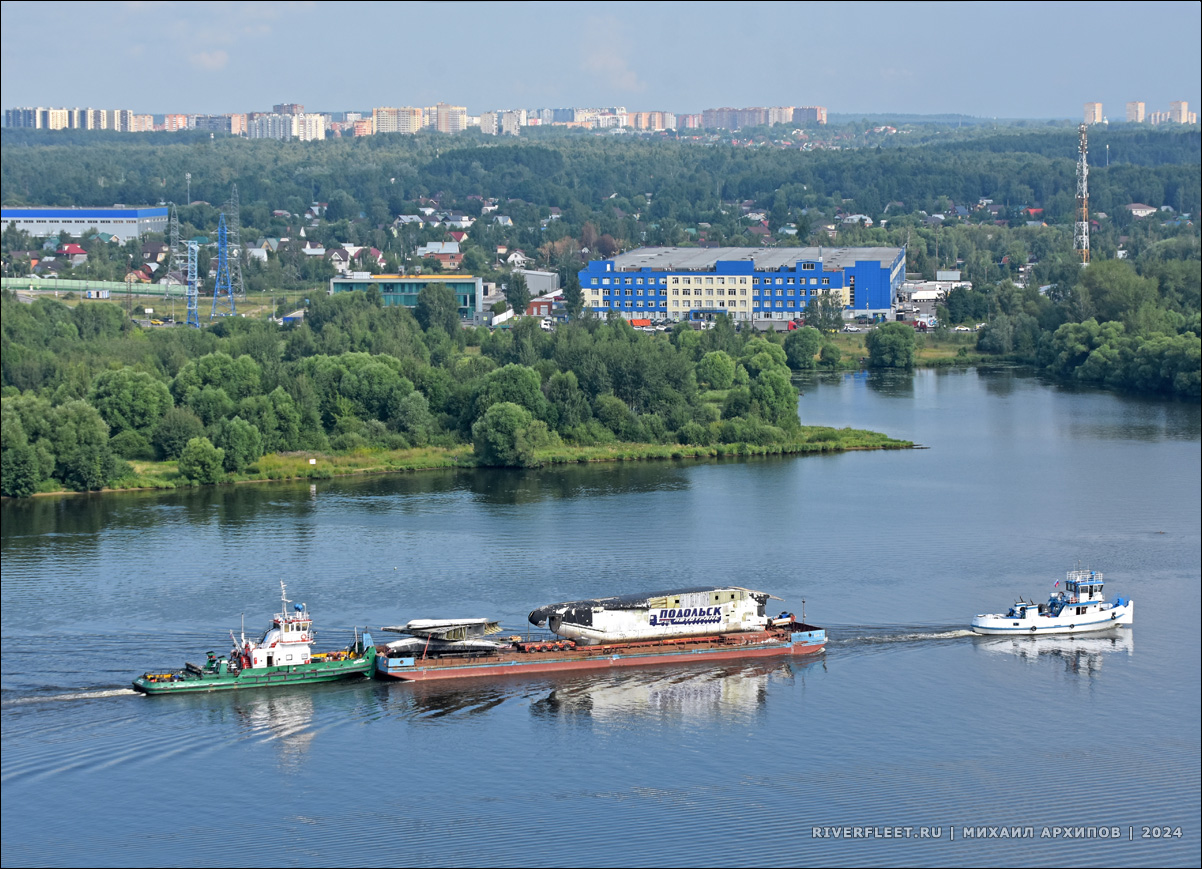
x: 40, y: 118
x: 385, y: 119
x: 1093, y: 113
x: 449, y: 119
x: 272, y: 125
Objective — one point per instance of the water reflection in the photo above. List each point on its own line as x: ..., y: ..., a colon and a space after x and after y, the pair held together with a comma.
x: 695, y: 694
x: 892, y: 384
x: 1000, y: 381
x: 285, y: 718
x: 565, y: 482
x: 712, y: 692
x: 1082, y: 655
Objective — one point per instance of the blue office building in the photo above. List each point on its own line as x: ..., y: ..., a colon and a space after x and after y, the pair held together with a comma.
x: 743, y: 283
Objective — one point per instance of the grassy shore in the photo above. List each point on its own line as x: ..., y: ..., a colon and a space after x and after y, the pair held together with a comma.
x: 320, y: 466
x: 930, y: 351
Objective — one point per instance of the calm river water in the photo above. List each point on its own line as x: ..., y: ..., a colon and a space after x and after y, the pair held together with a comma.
x: 906, y: 722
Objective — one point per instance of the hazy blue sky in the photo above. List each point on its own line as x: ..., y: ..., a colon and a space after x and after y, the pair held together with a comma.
x: 1035, y: 60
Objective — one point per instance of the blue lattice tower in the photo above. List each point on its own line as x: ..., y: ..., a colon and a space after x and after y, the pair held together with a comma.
x: 193, y: 286
x: 223, y: 291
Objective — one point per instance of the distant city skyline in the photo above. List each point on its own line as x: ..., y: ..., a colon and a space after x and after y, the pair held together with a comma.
x: 1017, y: 60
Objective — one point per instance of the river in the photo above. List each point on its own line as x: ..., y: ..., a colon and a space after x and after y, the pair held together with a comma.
x: 910, y: 742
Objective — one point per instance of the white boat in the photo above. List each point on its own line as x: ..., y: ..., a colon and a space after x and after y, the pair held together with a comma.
x: 1079, y: 608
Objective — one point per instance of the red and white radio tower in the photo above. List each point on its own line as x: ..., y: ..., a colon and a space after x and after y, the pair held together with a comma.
x: 1081, y: 230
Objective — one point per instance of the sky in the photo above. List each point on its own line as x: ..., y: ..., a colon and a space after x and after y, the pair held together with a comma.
x: 988, y: 59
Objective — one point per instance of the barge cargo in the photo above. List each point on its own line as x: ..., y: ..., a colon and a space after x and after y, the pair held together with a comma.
x: 693, y: 625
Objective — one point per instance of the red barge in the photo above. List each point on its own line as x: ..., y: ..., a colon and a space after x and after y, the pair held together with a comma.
x: 688, y: 626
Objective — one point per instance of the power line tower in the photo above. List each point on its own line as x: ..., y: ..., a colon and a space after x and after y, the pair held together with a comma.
x: 223, y: 285
x: 193, y: 286
x: 234, y: 232
x: 177, y: 255
x: 1081, y: 229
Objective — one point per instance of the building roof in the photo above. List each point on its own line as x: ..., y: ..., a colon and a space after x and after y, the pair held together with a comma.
x: 695, y: 259
x: 63, y: 213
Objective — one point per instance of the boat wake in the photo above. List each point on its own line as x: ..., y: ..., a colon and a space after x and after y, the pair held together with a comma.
x: 75, y: 695
x: 866, y: 637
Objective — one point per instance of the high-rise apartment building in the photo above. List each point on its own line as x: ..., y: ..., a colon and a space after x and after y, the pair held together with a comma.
x: 273, y: 125
x: 652, y: 121
x: 405, y: 119
x: 1136, y: 112
x: 1093, y: 113
x: 1179, y: 112
x: 809, y: 114
x: 450, y: 119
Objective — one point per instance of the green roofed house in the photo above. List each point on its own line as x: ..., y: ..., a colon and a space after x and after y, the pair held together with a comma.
x: 403, y: 290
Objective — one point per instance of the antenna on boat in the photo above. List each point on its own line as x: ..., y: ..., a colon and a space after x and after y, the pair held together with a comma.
x: 284, y: 598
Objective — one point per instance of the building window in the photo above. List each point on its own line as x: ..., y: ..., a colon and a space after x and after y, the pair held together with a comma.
x: 826, y: 282
x: 807, y: 267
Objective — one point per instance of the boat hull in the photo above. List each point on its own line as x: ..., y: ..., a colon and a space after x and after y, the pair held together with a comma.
x: 513, y: 662
x: 260, y: 677
x: 1090, y: 622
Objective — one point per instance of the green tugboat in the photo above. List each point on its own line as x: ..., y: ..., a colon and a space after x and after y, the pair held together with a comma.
x: 282, y: 656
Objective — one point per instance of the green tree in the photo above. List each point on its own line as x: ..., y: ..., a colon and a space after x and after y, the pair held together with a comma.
x: 825, y: 312
x: 573, y: 295
x: 437, y: 308
x: 570, y: 403
x: 129, y: 400
x: 507, y: 436
x: 801, y: 346
x: 517, y: 293
x: 716, y: 369
x: 891, y: 345
x: 776, y: 397
x: 178, y: 426
x: 84, y: 459
x: 19, y: 476
x: 240, y: 441
x: 201, y: 461
x: 511, y: 383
